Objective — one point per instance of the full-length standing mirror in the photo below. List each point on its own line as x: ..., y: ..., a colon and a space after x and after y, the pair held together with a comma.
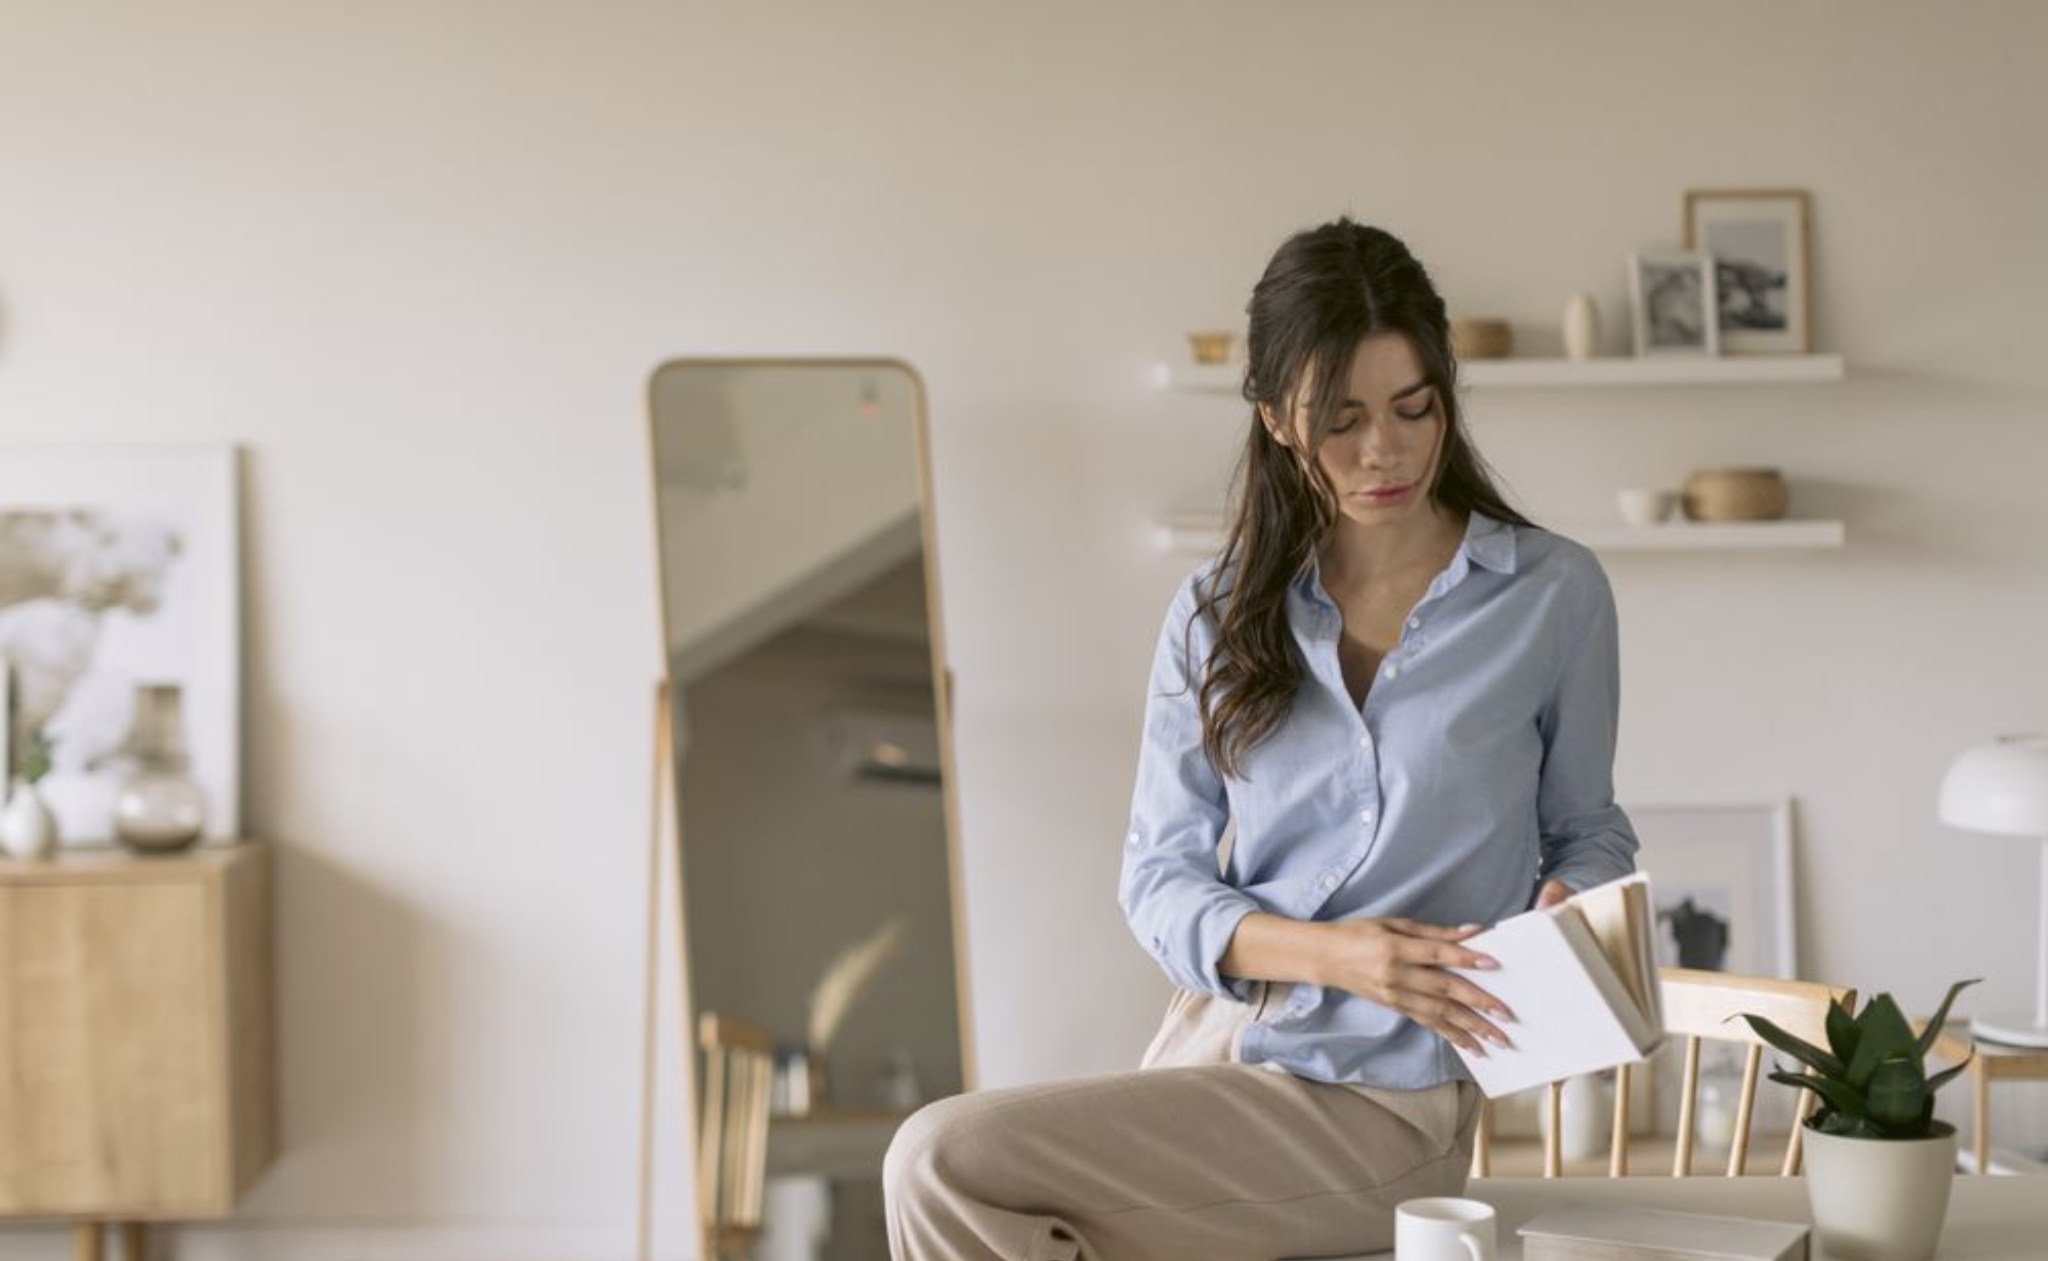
x: 813, y: 778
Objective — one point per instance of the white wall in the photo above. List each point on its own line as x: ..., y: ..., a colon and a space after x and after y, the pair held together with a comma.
x: 420, y: 257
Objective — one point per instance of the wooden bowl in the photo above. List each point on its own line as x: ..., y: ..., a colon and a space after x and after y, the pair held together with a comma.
x: 1473, y: 338
x: 1736, y: 494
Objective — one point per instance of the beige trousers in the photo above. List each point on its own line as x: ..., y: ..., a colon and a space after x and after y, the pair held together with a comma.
x: 1193, y: 1157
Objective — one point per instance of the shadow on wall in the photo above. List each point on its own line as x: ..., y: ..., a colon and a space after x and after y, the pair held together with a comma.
x: 351, y: 986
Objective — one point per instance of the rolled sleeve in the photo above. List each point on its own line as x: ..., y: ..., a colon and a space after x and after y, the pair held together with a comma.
x: 1586, y: 837
x: 1172, y: 890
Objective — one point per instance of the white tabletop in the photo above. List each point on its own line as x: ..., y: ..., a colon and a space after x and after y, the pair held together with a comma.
x: 1989, y: 1219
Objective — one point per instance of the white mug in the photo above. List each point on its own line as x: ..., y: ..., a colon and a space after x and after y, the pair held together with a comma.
x: 1443, y: 1229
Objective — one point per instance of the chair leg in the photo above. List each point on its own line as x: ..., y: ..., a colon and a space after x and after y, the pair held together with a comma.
x: 1482, y: 1142
x: 134, y: 1241
x: 1617, y: 1154
x: 1553, y: 1137
x: 1980, y: 1111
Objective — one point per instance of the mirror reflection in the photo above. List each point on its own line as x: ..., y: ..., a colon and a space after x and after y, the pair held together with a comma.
x: 818, y: 889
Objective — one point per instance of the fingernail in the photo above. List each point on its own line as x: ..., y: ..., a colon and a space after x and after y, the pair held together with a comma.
x: 1487, y: 962
x: 1468, y: 928
x: 1478, y: 1049
x: 1504, y: 1014
x: 1502, y: 1038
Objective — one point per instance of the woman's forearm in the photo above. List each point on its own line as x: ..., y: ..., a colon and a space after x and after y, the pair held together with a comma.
x: 1269, y: 947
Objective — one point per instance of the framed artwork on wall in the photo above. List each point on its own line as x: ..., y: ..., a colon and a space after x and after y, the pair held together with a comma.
x: 1671, y: 293
x: 120, y: 568
x: 1759, y: 241
x: 1721, y: 875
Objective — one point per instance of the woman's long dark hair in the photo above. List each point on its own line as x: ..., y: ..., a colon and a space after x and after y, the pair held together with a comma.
x: 1325, y: 290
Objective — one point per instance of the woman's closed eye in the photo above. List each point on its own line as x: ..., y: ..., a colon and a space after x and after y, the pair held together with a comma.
x: 1348, y: 420
x: 1427, y: 410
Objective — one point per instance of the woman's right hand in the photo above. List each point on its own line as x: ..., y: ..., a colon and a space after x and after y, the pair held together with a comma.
x: 1400, y: 963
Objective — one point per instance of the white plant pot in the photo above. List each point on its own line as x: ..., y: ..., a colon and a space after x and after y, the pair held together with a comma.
x: 27, y: 828
x: 1876, y: 1199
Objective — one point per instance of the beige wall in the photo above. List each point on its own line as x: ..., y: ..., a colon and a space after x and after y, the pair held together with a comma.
x: 420, y: 257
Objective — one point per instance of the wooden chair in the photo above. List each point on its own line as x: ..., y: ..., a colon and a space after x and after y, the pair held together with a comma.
x: 732, y: 1151
x: 1698, y: 1006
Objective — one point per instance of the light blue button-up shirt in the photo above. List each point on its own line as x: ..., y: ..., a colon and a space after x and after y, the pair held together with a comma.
x: 1480, y: 765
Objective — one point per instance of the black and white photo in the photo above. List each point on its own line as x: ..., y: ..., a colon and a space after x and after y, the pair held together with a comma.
x: 1672, y: 293
x: 1758, y: 241
x: 1721, y: 879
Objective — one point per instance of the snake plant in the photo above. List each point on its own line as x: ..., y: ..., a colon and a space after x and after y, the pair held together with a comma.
x: 1872, y: 1075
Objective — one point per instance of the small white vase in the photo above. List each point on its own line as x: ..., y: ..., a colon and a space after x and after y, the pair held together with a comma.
x: 27, y: 828
x: 1581, y: 327
x: 1588, y: 1107
x: 1880, y: 1199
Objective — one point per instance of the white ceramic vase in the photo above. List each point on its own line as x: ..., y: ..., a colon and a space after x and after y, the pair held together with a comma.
x: 1588, y: 1107
x: 1581, y: 327
x: 1877, y: 1199
x: 27, y: 828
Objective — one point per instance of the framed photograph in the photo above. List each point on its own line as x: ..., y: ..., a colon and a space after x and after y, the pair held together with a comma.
x: 1672, y: 294
x: 1721, y: 876
x: 119, y: 567
x: 1758, y: 241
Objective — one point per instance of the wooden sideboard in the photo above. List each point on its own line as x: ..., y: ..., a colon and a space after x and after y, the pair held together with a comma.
x: 137, y: 1079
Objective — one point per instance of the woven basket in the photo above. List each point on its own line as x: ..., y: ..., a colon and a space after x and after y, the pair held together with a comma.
x: 1481, y: 339
x: 1211, y: 347
x: 1736, y: 494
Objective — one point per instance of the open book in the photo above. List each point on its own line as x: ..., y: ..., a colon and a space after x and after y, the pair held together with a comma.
x: 1581, y: 978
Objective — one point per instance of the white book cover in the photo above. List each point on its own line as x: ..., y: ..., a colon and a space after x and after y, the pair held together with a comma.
x: 1574, y: 1014
x: 1578, y: 1229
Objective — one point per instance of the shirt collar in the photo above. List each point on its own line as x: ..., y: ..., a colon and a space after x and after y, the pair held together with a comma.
x: 1489, y: 543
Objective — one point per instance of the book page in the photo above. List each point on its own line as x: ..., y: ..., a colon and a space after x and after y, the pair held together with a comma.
x: 1610, y: 912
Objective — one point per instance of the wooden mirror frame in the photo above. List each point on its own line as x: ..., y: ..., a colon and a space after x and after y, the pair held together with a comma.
x: 665, y: 837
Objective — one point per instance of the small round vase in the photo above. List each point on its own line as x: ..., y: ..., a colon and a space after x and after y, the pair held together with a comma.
x: 27, y: 828
x: 161, y: 808
x: 159, y: 812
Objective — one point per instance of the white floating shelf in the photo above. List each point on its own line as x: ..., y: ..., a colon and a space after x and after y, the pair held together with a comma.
x: 1719, y: 536
x: 1504, y: 374
x: 1204, y: 535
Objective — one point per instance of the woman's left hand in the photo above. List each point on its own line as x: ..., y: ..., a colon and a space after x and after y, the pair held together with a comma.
x: 1552, y: 892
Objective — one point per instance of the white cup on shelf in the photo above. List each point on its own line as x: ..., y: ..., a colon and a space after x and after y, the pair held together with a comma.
x: 1646, y: 506
x: 1444, y: 1228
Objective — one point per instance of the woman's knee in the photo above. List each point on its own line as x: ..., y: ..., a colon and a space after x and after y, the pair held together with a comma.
x: 927, y: 1147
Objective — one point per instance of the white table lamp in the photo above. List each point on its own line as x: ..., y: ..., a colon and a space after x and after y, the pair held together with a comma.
x: 2002, y: 788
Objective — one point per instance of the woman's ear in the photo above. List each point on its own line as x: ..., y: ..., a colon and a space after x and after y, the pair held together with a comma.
x: 1273, y: 427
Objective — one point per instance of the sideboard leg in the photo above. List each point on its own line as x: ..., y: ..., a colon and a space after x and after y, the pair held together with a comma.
x: 88, y: 1240
x: 134, y: 1241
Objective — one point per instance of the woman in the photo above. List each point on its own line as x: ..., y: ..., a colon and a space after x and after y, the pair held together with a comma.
x: 1404, y: 696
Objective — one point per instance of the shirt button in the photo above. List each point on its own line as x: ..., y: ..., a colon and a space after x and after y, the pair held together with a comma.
x: 1414, y: 623
x: 1365, y: 742
x: 1393, y: 672
x: 1366, y: 816
x: 1329, y: 882
x: 1134, y: 840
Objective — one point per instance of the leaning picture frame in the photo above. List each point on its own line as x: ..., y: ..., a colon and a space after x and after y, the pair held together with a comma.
x: 1760, y: 241
x: 1671, y: 297
x: 120, y: 568
x: 1721, y: 880
x: 1721, y: 877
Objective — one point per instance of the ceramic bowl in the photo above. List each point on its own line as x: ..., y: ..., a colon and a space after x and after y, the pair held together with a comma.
x: 1642, y: 506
